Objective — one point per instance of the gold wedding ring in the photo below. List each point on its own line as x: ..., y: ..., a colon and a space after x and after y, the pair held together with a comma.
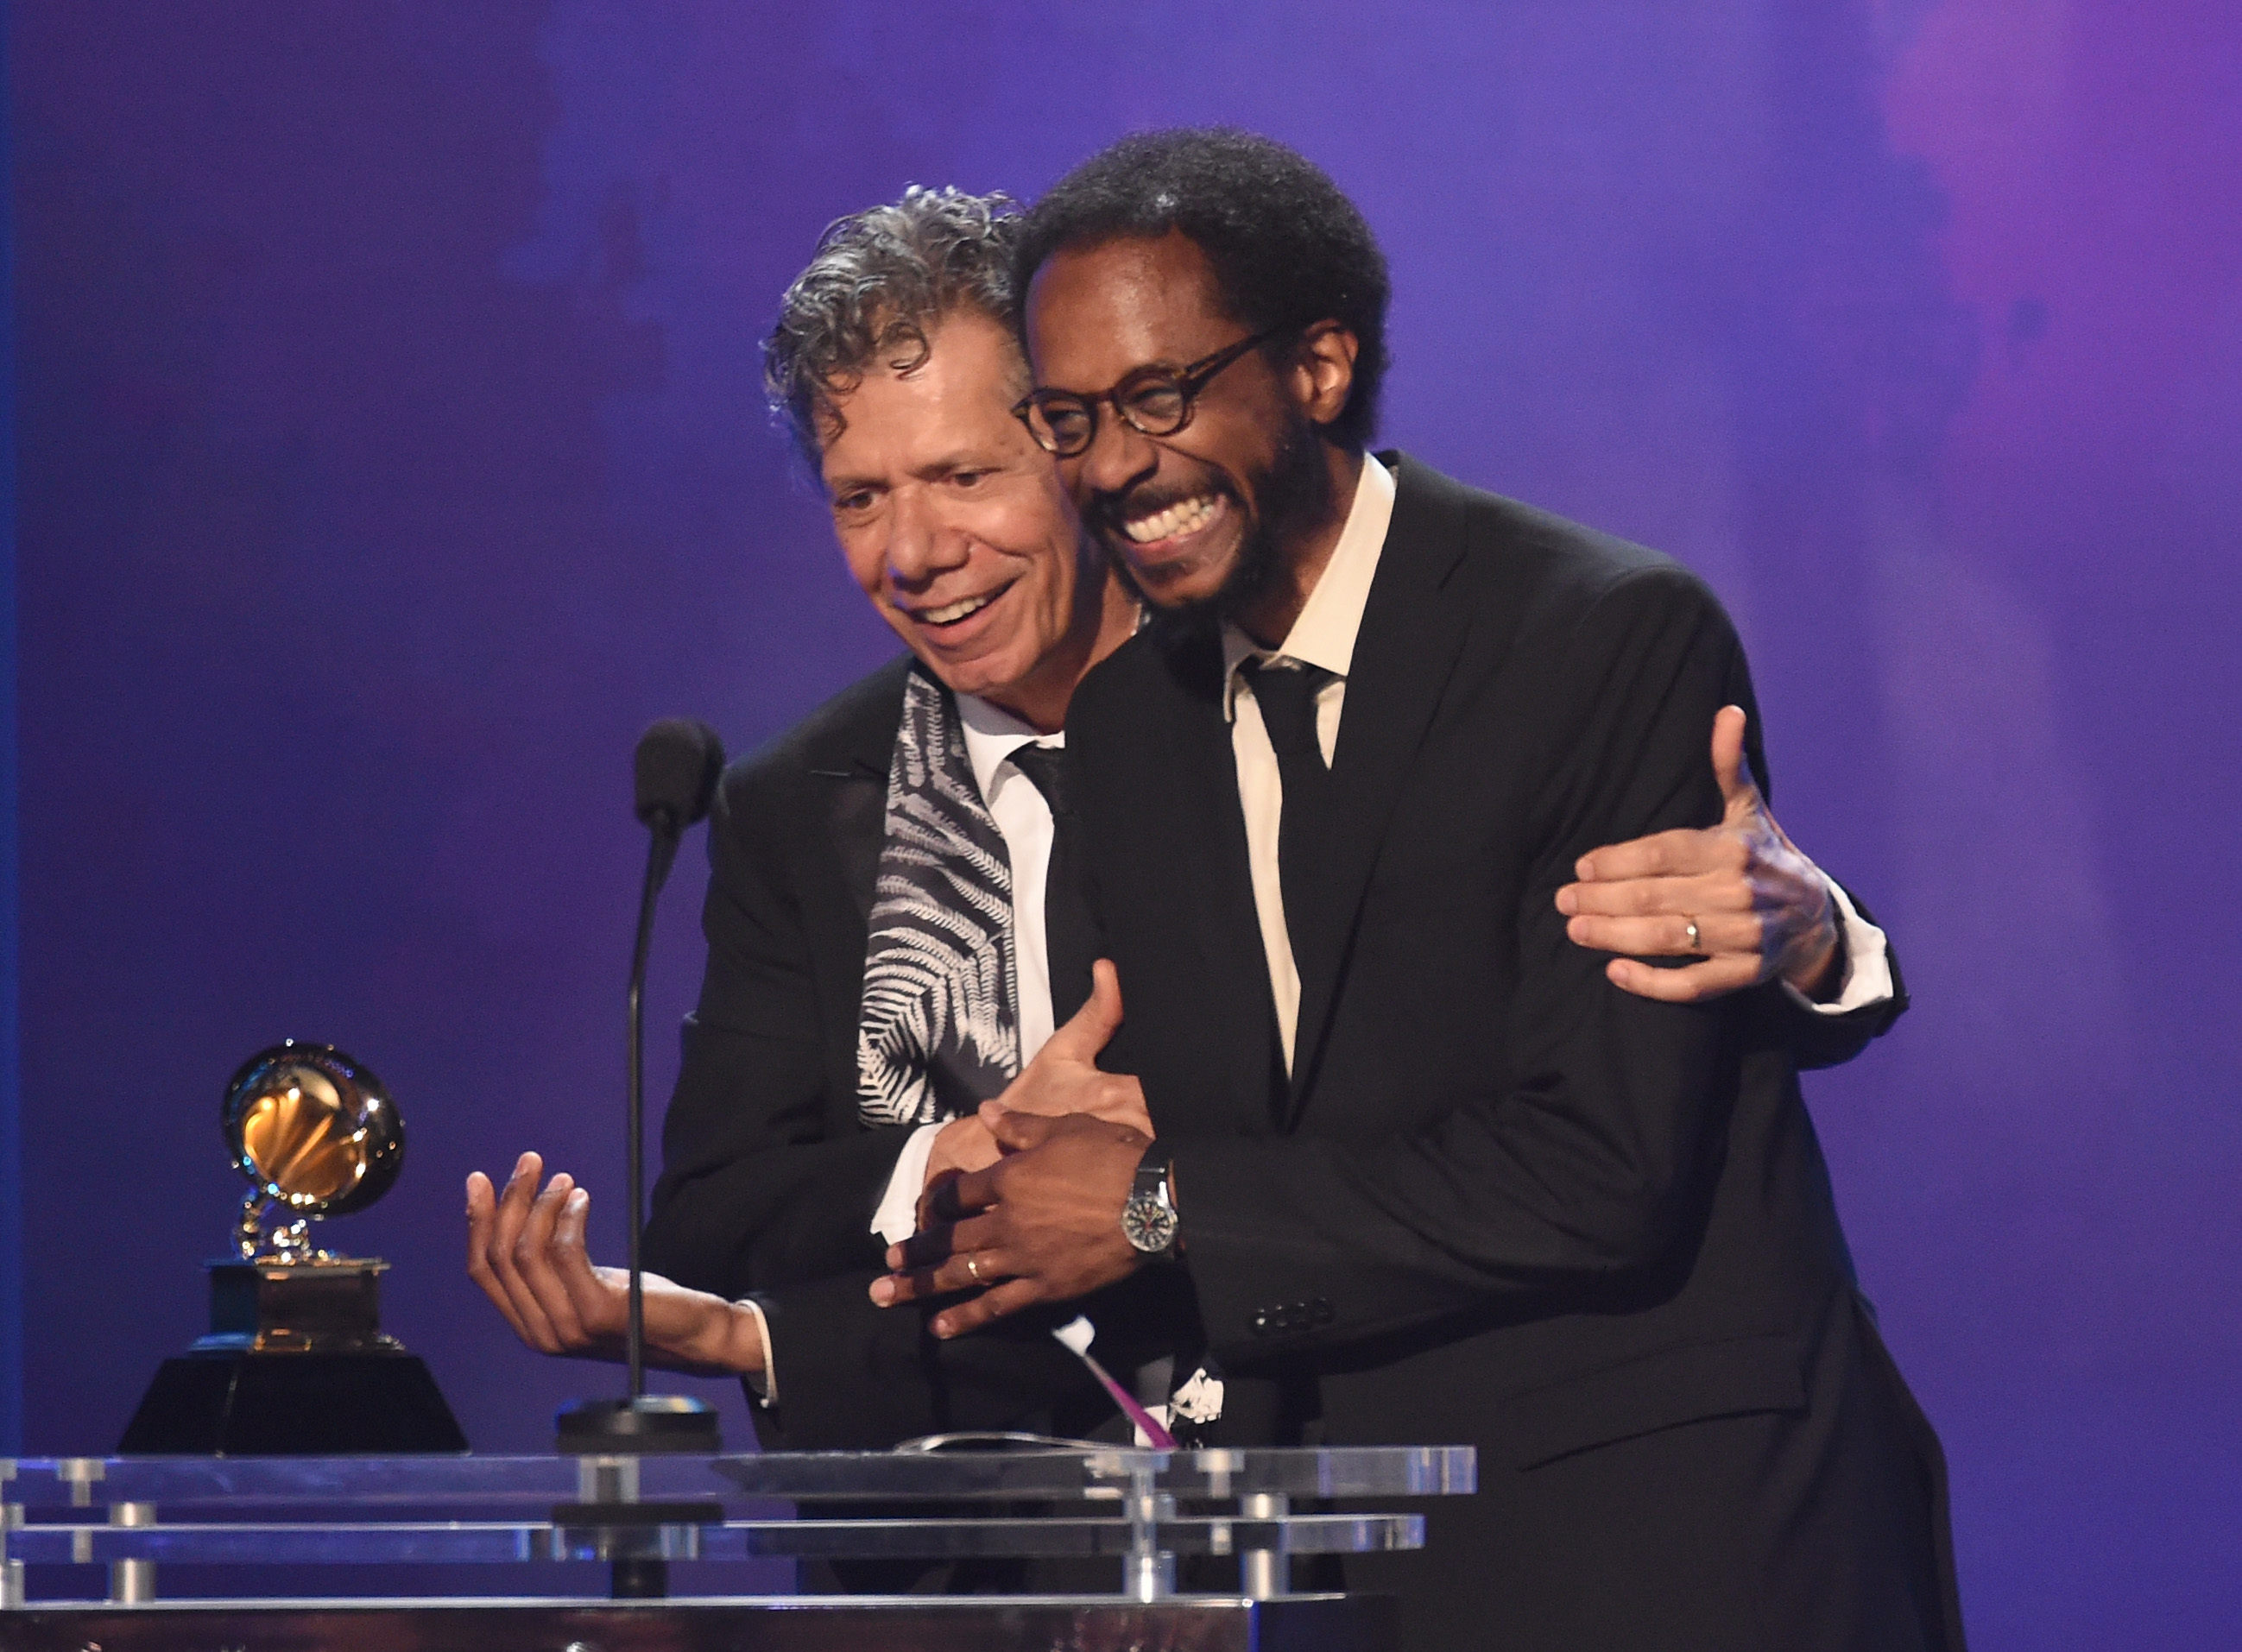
x: 973, y: 1267
x: 1692, y: 922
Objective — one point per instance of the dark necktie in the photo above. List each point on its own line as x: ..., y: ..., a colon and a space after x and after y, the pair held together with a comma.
x: 1286, y: 695
x: 1069, y: 942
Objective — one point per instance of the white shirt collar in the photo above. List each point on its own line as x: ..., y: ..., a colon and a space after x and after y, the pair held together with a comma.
x: 993, y: 734
x: 1324, y: 634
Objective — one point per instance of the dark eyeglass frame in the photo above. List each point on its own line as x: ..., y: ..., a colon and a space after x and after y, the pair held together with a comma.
x: 1188, y: 380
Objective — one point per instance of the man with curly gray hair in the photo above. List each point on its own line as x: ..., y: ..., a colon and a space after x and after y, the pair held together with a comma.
x: 881, y: 280
x: 894, y: 930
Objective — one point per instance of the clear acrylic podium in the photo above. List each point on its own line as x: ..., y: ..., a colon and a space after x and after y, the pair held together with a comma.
x: 1139, y: 1509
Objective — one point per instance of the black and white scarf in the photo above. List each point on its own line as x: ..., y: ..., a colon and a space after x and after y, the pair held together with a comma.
x: 940, y: 1031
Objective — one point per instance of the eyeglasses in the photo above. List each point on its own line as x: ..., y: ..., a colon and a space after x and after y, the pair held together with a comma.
x: 1155, y: 401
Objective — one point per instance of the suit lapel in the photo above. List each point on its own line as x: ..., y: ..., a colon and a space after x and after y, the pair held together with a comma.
x: 853, y: 767
x: 1207, y: 857
x: 1403, y: 654
x: 1229, y: 925
x: 859, y: 810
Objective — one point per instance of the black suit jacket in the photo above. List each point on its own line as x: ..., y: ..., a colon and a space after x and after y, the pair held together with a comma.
x: 1499, y: 1200
x: 768, y: 1180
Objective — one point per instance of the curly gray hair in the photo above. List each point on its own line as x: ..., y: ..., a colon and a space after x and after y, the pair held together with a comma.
x: 880, y: 281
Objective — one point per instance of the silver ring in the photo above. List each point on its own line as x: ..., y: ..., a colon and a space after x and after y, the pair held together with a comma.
x: 1692, y: 922
x: 973, y: 1267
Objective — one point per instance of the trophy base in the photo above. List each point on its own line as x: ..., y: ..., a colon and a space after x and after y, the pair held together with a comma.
x: 233, y: 1402
x: 295, y: 1366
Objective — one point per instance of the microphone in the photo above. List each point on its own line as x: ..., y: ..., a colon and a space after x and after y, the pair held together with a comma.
x: 674, y: 773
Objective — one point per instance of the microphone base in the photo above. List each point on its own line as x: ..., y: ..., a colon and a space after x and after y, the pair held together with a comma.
x: 652, y: 1425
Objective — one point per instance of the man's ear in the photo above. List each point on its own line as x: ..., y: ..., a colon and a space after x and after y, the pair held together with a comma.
x: 1325, y: 370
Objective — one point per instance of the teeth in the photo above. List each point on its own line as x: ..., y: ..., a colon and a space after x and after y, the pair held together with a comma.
x: 1187, y: 516
x: 954, y: 610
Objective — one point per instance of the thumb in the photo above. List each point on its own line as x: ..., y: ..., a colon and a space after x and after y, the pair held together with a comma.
x: 1737, y: 791
x: 1015, y: 1132
x: 1086, y: 1033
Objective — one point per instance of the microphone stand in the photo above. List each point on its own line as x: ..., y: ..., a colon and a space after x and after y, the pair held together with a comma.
x: 660, y: 853
x: 610, y: 1517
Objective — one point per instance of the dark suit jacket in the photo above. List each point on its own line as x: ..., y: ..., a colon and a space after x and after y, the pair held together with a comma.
x: 768, y: 1181
x: 1499, y: 1200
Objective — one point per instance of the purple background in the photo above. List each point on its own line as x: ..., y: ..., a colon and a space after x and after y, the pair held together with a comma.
x: 390, y: 453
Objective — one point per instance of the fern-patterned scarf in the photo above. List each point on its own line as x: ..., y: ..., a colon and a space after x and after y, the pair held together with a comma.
x: 940, y: 1031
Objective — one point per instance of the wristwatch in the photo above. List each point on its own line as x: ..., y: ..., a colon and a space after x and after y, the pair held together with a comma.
x: 1149, y: 1219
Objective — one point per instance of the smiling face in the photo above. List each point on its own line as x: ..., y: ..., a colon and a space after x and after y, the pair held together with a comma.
x: 954, y: 523
x: 1240, y: 509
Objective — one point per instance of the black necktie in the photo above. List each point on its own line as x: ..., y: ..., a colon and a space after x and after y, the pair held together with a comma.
x: 1286, y: 695
x: 1070, y: 944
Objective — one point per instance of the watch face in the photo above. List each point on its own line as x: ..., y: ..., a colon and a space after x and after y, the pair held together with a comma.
x: 1150, y: 1225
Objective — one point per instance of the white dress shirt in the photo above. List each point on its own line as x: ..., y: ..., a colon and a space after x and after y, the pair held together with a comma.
x: 1324, y: 636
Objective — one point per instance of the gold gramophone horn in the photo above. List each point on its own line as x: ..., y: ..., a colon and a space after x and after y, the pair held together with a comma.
x: 316, y: 1135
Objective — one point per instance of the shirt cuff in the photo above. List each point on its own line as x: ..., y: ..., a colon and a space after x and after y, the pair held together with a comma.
x: 896, y: 1219
x: 1868, y: 964
x: 765, y: 1383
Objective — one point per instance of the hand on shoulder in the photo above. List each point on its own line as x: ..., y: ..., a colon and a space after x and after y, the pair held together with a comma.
x: 1739, y: 896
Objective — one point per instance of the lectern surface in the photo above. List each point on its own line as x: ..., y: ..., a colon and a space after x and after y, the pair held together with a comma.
x: 1218, y: 1519
x: 1187, y: 1623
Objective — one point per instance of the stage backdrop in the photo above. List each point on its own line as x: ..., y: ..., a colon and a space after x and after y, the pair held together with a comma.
x: 391, y: 453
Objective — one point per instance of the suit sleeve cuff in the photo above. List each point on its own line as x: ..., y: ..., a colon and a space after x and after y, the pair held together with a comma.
x: 896, y: 1219
x: 1868, y: 964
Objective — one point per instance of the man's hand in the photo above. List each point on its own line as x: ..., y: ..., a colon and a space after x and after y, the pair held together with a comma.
x: 964, y: 1143
x: 1762, y: 908
x: 526, y: 1249
x: 1043, y: 1224
x: 1064, y: 1079
x: 1065, y: 1076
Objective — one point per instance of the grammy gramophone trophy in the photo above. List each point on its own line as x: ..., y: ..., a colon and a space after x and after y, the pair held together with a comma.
x: 296, y: 1362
